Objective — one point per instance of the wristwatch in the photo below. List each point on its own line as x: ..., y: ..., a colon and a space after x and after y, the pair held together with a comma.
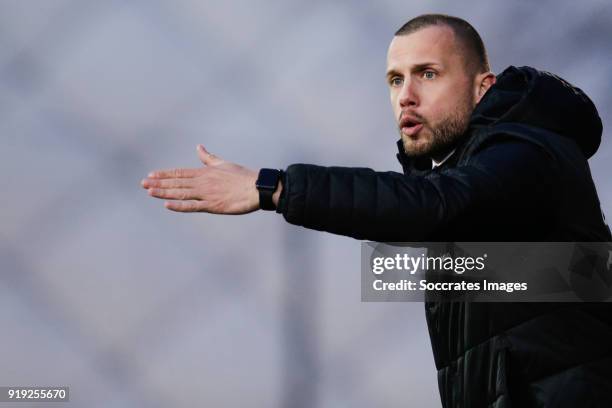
x: 266, y: 184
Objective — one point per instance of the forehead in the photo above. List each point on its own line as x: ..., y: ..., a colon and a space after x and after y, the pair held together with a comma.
x: 433, y: 44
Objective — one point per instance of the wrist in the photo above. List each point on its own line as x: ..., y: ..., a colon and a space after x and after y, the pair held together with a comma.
x: 267, y: 184
x: 277, y: 193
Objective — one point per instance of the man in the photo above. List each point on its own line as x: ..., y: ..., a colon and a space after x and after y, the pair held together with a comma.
x: 485, y: 158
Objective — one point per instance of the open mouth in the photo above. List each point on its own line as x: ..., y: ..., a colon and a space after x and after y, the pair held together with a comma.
x: 410, y: 127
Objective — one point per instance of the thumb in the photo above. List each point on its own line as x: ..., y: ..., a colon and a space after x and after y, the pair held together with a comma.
x: 207, y: 158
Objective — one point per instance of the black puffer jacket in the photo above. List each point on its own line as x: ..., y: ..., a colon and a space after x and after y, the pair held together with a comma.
x: 519, y: 174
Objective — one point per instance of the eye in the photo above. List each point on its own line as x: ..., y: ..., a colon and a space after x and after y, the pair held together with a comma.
x: 396, y: 81
x: 429, y: 75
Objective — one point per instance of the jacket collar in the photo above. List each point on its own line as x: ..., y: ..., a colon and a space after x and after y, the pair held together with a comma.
x: 423, y: 165
x: 411, y: 165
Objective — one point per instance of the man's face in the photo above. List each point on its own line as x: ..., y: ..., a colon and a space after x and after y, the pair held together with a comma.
x: 431, y: 90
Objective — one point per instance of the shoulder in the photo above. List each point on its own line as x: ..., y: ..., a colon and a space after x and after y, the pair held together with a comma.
x: 517, y: 148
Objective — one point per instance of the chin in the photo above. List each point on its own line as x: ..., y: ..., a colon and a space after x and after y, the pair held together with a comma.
x: 416, y: 148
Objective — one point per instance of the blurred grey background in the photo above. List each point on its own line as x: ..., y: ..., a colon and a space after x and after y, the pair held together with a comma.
x: 130, y: 305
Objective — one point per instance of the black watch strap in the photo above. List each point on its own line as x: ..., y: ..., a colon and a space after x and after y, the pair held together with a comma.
x: 266, y: 184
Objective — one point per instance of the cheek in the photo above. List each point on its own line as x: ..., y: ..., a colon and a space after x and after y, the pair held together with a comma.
x: 435, y: 111
x: 449, y: 102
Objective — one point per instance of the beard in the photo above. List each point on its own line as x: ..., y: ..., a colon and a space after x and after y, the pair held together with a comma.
x: 436, y: 141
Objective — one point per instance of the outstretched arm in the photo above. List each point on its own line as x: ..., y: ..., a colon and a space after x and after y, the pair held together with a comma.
x: 220, y: 187
x: 379, y: 206
x: 515, y: 177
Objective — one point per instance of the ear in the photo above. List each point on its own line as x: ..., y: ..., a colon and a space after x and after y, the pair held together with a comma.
x: 482, y: 83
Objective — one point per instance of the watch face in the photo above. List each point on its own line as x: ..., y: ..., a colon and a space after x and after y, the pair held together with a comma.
x: 268, y: 179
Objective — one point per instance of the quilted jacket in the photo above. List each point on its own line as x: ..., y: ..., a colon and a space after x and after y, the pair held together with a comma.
x: 519, y: 173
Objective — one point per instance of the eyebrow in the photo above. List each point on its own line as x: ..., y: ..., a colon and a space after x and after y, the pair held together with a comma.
x: 415, y: 68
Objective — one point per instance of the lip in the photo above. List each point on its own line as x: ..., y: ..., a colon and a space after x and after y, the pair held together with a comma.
x: 412, y: 130
x: 410, y: 124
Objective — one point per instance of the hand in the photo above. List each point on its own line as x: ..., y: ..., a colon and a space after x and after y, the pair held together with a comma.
x: 219, y: 187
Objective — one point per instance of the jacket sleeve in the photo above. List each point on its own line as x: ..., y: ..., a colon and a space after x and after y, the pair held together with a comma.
x: 389, y: 206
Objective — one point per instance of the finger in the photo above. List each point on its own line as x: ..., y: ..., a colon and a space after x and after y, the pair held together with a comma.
x: 173, y: 193
x: 185, y: 206
x: 208, y: 158
x: 174, y: 173
x: 167, y: 183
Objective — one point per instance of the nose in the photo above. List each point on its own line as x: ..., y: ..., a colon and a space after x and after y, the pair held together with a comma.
x: 408, y: 95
